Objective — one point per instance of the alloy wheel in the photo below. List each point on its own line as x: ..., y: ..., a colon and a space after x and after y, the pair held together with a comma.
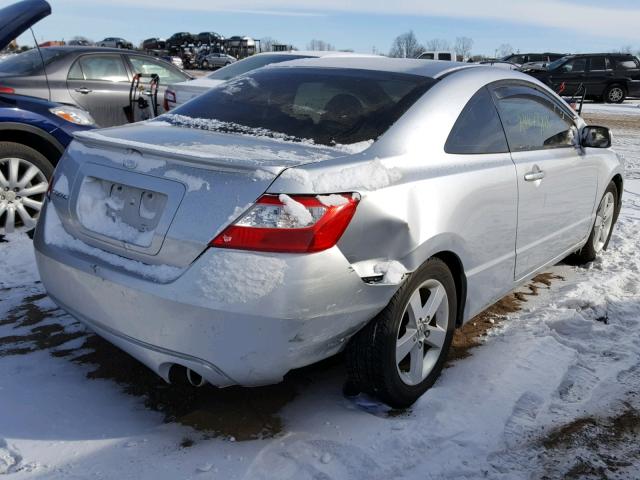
x: 422, y: 332
x: 604, y: 221
x: 22, y: 190
x: 616, y: 94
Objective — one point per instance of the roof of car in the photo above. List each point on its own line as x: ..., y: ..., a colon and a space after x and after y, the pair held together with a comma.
x: 426, y: 68
x: 611, y: 54
x: 85, y: 48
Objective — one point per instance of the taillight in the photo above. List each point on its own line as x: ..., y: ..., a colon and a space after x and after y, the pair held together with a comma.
x: 291, y: 224
x: 7, y: 90
x: 169, y: 96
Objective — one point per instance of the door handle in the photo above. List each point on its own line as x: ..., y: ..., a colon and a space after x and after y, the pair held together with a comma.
x: 83, y: 90
x: 535, y: 174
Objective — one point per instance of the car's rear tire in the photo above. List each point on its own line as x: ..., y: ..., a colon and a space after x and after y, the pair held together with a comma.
x: 401, y: 352
x: 205, y: 65
x: 24, y: 178
x: 602, y: 227
x: 615, y: 93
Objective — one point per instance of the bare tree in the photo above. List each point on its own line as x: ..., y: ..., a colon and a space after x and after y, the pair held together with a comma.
x: 463, y: 47
x: 625, y: 49
x: 267, y: 43
x: 504, y: 50
x: 437, y: 44
x: 406, y: 46
x: 320, y: 45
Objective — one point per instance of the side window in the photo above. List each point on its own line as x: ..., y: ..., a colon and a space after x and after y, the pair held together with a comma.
x: 599, y: 64
x: 532, y: 121
x: 625, y: 64
x: 576, y: 65
x: 478, y: 129
x: 164, y: 71
x: 75, y: 72
x: 108, y: 68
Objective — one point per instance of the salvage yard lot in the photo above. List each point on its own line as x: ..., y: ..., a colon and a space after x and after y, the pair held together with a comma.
x: 550, y: 391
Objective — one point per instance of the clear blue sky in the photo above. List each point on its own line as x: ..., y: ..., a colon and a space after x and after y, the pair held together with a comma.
x: 528, y: 25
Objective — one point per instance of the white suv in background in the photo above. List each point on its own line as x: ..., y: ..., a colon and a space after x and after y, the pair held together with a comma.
x: 179, y: 93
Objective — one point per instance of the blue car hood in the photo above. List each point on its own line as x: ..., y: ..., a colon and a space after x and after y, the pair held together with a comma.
x: 18, y: 17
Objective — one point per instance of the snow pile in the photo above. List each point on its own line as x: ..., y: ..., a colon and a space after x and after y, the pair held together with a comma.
x: 354, y: 148
x: 55, y: 234
x: 239, y: 277
x: 371, y: 175
x: 262, y: 175
x: 297, y: 211
x: 9, y: 460
x: 332, y: 200
x: 98, y: 212
x: 193, y: 183
x: 252, y: 154
x: 393, y: 271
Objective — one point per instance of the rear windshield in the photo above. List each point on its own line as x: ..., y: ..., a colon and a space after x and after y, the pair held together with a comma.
x: 251, y: 63
x: 29, y: 62
x: 326, y: 106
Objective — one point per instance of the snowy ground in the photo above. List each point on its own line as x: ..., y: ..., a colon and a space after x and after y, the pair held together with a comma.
x: 552, y: 392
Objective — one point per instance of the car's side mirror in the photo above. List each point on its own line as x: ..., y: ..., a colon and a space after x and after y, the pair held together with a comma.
x: 595, y: 137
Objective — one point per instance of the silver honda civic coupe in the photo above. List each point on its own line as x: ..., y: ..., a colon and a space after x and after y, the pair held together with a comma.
x: 320, y: 205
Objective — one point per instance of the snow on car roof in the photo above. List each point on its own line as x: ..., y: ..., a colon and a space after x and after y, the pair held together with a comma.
x: 427, y: 68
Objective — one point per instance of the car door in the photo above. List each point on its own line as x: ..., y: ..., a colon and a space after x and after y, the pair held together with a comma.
x: 100, y: 83
x: 571, y: 73
x: 168, y: 73
x: 598, y: 75
x: 556, y: 182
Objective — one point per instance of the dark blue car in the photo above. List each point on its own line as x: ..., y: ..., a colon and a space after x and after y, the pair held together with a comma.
x: 33, y: 133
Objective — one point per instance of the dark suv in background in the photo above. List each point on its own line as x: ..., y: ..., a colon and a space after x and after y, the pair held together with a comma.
x: 524, y: 58
x: 608, y: 77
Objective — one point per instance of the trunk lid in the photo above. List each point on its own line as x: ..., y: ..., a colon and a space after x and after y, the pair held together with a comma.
x: 19, y: 17
x: 159, y: 194
x: 185, y: 91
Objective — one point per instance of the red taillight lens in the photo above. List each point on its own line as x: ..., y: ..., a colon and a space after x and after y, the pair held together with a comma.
x: 7, y: 90
x: 169, y: 97
x: 296, y: 224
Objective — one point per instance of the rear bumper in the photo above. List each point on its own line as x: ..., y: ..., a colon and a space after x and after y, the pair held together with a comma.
x: 233, y: 317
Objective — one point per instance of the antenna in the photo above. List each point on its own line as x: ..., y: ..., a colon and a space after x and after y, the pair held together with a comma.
x: 44, y: 66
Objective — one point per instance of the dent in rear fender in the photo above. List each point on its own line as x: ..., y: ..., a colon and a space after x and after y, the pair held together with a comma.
x: 464, y: 205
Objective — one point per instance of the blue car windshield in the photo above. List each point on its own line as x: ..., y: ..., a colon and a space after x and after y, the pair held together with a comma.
x: 29, y: 62
x: 326, y: 106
